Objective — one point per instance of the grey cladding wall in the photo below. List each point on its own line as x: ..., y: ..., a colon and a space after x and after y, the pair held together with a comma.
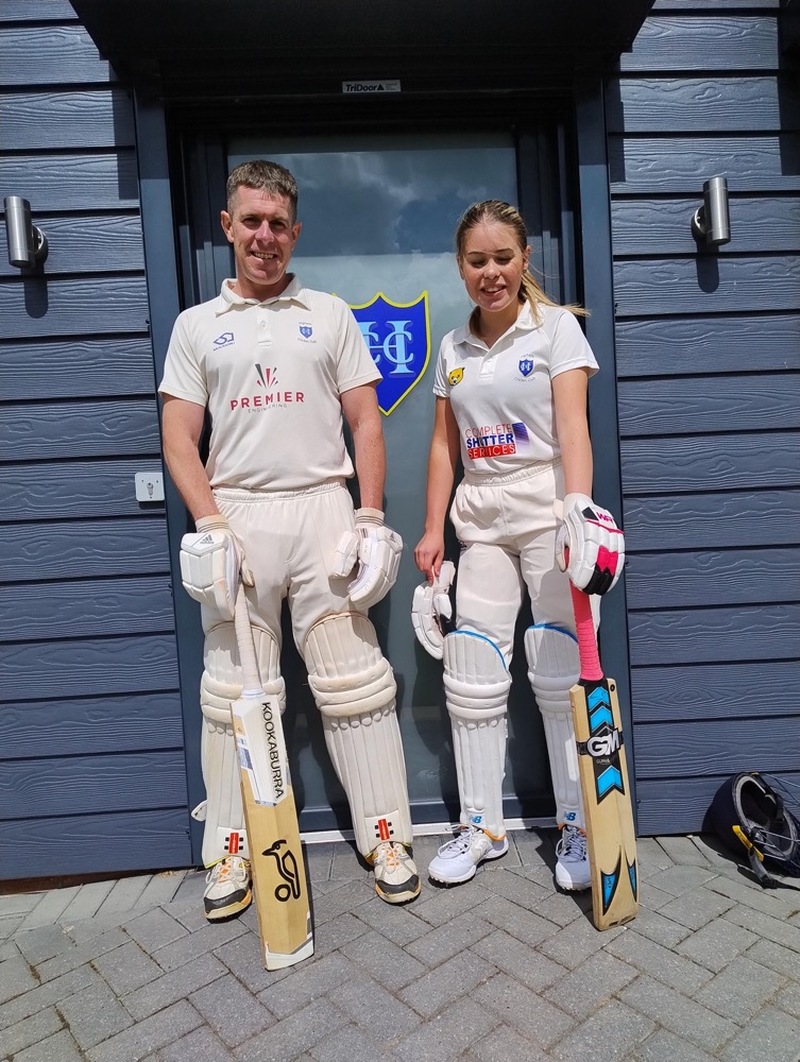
x: 708, y: 352
x: 92, y: 772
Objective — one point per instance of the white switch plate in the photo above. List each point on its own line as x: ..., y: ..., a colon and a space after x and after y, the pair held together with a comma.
x: 149, y: 486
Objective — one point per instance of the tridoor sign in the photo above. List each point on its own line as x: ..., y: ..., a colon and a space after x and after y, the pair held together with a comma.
x: 398, y: 335
x: 367, y: 87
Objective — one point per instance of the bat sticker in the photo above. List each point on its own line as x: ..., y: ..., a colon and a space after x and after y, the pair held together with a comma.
x: 287, y: 868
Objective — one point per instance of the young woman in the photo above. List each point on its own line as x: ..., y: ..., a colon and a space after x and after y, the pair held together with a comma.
x: 511, y: 390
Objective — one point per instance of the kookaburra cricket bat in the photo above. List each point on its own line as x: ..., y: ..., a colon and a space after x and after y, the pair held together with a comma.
x: 273, y: 834
x: 604, y: 781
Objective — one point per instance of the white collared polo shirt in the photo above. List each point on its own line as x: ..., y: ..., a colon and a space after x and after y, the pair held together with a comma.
x: 502, y: 398
x: 271, y: 374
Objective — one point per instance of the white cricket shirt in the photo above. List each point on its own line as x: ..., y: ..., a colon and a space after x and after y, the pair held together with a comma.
x: 502, y: 398
x: 271, y: 374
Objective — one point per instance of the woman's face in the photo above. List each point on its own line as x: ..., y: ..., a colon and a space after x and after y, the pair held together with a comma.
x: 491, y: 265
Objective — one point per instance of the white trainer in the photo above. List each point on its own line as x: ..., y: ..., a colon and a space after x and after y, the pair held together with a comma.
x: 458, y: 860
x: 396, y: 877
x: 228, y: 888
x: 572, y: 868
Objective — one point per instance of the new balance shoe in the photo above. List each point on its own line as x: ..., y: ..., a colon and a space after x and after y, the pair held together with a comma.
x: 572, y: 868
x: 458, y: 860
x: 228, y: 888
x: 396, y: 877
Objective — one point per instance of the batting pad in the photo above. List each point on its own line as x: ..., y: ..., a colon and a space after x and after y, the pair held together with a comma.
x: 476, y: 684
x: 354, y: 688
x: 221, y: 684
x: 553, y: 668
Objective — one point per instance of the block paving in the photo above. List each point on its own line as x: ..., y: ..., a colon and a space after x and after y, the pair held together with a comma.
x: 501, y: 968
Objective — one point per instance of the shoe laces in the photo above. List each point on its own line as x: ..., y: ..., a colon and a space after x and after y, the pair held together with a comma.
x: 390, y: 853
x: 572, y: 846
x: 233, y: 867
x: 461, y: 843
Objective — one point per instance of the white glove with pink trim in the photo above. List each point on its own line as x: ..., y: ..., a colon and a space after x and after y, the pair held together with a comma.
x: 590, y: 547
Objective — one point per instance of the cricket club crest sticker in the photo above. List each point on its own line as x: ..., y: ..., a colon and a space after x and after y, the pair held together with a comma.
x: 398, y: 335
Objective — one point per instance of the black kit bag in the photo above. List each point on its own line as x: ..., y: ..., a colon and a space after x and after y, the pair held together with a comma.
x: 756, y: 814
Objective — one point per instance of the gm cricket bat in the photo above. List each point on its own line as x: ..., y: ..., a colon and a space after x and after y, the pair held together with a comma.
x: 273, y: 834
x: 604, y: 781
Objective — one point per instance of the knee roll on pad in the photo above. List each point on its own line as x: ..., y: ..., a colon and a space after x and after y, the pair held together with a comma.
x: 476, y: 683
x: 222, y: 683
x: 553, y: 667
x: 354, y: 688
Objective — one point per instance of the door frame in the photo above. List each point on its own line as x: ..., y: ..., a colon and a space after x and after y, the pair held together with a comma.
x: 186, y: 258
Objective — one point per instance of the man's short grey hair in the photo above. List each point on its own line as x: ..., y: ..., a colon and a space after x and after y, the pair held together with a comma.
x: 267, y: 176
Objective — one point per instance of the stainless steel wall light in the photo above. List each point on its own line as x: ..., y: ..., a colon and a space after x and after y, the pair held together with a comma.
x: 27, y: 244
x: 711, y: 223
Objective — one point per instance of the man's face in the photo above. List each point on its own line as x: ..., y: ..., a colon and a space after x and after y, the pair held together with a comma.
x: 263, y: 232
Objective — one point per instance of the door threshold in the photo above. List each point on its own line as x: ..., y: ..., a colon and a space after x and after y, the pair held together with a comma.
x: 426, y: 829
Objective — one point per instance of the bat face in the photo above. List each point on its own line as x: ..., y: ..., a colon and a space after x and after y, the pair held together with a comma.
x: 605, y: 739
x: 607, y: 804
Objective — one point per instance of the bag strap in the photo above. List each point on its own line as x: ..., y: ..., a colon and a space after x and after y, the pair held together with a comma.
x: 756, y: 859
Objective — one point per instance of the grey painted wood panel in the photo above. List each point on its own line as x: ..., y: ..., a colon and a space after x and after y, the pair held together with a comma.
x: 88, y: 244
x: 35, y: 11
x: 663, y: 226
x: 105, y: 428
x: 708, y: 6
x: 86, y: 608
x: 753, y: 162
x: 705, y: 284
x: 709, y: 691
x: 136, y: 664
x: 48, y: 55
x: 94, y: 844
x: 85, y: 785
x: 680, y: 806
x: 704, y: 104
x: 715, y: 42
x: 72, y: 726
x: 74, y: 489
x: 736, y: 462
x: 44, y: 307
x: 76, y: 368
x: 702, y: 404
x: 56, y: 549
x: 665, y: 750
x: 99, y: 118
x: 712, y: 520
x: 714, y: 635
x: 68, y: 181
x: 712, y: 577
x: 736, y: 343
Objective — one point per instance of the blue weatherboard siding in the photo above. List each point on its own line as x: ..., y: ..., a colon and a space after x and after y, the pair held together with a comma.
x: 708, y: 352
x: 92, y: 764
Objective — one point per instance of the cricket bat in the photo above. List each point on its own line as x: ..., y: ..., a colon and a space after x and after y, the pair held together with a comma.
x: 604, y: 781
x: 273, y: 834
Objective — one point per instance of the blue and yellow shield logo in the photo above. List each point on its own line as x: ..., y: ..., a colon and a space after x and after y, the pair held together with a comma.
x: 398, y: 335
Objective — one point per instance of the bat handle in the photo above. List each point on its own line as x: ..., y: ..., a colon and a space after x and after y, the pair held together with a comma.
x: 587, y: 640
x: 244, y: 640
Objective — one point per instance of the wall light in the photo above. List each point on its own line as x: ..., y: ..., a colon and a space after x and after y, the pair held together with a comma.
x: 27, y: 244
x: 711, y: 223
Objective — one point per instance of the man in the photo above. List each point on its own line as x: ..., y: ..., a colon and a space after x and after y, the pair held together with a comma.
x: 279, y: 368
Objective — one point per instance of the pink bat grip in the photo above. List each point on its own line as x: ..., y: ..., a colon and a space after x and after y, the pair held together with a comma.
x: 587, y: 642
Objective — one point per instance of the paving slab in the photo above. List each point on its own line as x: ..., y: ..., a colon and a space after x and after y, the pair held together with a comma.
x: 502, y: 967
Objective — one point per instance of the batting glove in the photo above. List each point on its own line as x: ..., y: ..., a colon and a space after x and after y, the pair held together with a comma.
x: 373, y: 550
x: 590, y: 547
x: 213, y: 564
x: 431, y: 609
